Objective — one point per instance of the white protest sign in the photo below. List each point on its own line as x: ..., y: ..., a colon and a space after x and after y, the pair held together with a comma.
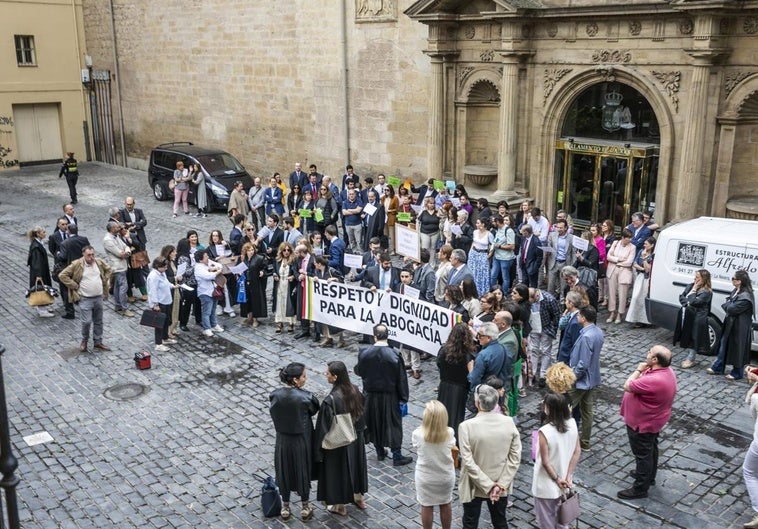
x: 580, y: 244
x: 407, y: 242
x: 419, y: 324
x: 353, y: 261
x: 369, y: 209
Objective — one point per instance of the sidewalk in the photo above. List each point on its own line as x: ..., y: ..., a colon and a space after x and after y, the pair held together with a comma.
x: 184, y: 453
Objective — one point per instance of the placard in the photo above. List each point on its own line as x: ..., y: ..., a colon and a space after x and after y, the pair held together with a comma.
x: 412, y: 322
x: 404, y: 216
x: 580, y: 244
x: 305, y: 213
x: 417, y: 209
x: 394, y: 181
x: 450, y: 184
x: 407, y: 242
x: 456, y: 202
x: 318, y: 214
x: 351, y: 260
x: 439, y: 185
x: 369, y: 209
x: 238, y: 269
x: 411, y: 292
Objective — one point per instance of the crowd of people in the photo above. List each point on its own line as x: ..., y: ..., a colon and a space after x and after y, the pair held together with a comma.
x: 527, y: 291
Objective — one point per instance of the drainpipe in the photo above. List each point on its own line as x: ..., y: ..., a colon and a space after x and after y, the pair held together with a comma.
x: 118, y: 87
x: 85, y: 128
x: 345, y: 92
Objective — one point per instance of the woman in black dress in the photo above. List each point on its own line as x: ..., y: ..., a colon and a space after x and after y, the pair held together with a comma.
x: 255, y: 285
x: 39, y: 267
x: 292, y: 409
x: 342, y: 472
x: 452, y: 360
x: 692, y: 325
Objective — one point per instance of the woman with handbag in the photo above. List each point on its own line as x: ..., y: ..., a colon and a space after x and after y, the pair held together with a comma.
x: 185, y: 261
x: 691, y: 330
x: 217, y: 249
x: 159, y: 299
x: 168, y: 252
x: 557, y: 457
x: 39, y: 268
x: 435, y: 467
x: 342, y: 471
x: 292, y: 409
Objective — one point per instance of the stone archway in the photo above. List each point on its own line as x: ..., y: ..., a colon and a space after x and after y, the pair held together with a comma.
x: 734, y: 193
x: 557, y: 107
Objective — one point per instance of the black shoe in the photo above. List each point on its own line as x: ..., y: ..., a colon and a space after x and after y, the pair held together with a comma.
x: 541, y: 383
x: 425, y: 356
x: 301, y: 334
x: 631, y: 494
x: 381, y: 456
x: 316, y: 337
x: 633, y: 474
x: 183, y: 328
x: 404, y: 460
x: 69, y: 316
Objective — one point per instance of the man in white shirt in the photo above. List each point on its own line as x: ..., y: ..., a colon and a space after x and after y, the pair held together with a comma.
x: 206, y: 272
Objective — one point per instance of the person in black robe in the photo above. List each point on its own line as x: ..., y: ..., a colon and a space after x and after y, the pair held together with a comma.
x: 292, y: 409
x: 385, y: 387
x: 39, y: 267
x: 375, y: 222
x: 691, y: 329
x: 342, y: 472
x: 255, y: 285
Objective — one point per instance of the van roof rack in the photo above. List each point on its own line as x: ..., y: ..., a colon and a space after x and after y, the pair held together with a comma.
x: 175, y: 143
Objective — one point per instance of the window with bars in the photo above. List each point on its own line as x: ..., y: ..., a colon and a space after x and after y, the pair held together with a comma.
x: 25, y: 55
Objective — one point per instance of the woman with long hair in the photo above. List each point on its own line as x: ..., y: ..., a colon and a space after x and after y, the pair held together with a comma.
x: 185, y: 263
x: 479, y: 260
x: 159, y: 299
x: 470, y: 297
x: 557, y: 457
x: 454, y: 299
x: 292, y: 408
x: 218, y: 248
x: 342, y: 472
x: 39, y: 266
x: 283, y: 303
x: 691, y: 330
x: 391, y: 204
x: 737, y: 335
x: 435, y: 474
x: 643, y: 265
x: 325, y: 209
x: 489, y: 305
x: 609, y: 236
x: 168, y: 252
x: 201, y: 193
x: 429, y: 228
x: 452, y: 359
x: 620, y: 260
x: 255, y: 285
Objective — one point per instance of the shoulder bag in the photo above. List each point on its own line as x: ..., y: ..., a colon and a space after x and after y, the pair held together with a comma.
x: 568, y: 507
x: 39, y: 296
x: 341, y: 433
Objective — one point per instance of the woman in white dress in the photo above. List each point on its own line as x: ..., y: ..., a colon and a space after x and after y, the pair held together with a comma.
x: 642, y: 266
x: 435, y: 473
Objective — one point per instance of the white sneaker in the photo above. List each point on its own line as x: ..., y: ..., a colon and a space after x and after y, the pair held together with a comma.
x: 162, y: 348
x: 169, y: 342
x: 208, y: 333
x: 219, y: 310
x: 218, y: 328
x: 231, y: 314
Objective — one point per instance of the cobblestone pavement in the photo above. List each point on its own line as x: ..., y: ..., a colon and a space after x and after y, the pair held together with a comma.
x: 184, y: 454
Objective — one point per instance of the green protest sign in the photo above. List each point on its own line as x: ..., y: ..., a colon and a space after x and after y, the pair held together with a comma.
x: 305, y: 213
x: 319, y: 215
x: 439, y: 185
x: 403, y: 217
x: 394, y: 181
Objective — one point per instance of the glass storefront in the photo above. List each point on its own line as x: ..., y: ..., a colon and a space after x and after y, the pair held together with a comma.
x: 606, y: 162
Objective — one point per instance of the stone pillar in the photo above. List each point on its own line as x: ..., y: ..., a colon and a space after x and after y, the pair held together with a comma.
x: 508, y: 144
x: 436, y: 137
x: 727, y: 131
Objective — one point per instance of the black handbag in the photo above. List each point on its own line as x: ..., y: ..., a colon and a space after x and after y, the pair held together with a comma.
x: 153, y: 318
x: 271, y: 500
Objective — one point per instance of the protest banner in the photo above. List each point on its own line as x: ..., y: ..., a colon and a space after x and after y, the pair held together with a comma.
x: 411, y: 322
x: 439, y: 185
x: 407, y: 242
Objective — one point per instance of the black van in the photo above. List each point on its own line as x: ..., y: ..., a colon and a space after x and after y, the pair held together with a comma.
x: 221, y: 171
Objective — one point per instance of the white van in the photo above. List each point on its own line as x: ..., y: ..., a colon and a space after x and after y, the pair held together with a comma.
x: 719, y: 245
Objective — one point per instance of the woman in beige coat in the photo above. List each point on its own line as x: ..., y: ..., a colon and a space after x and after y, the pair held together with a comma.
x: 620, y: 277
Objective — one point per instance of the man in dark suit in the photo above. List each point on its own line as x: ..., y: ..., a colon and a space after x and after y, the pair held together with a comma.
x: 336, y: 249
x: 350, y: 175
x: 298, y: 176
x: 370, y: 258
x: 134, y: 219
x: 375, y: 222
x: 423, y: 277
x: 640, y: 231
x: 273, y: 238
x: 460, y: 269
x: 382, y: 277
x: 237, y: 233
x: 426, y: 190
x: 59, y: 235
x: 386, y: 386
x: 69, y: 213
x: 70, y: 250
x: 530, y: 256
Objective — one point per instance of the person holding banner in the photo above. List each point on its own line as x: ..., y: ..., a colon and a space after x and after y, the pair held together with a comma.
x: 336, y: 249
x: 385, y: 387
x: 410, y: 355
x: 383, y: 277
x: 324, y: 272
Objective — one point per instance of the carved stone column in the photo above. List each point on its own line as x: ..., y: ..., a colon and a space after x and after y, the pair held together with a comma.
x: 508, y: 144
x: 727, y: 131
x: 436, y: 138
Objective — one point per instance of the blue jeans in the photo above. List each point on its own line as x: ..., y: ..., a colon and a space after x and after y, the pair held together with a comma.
x: 501, y: 267
x: 208, y: 308
x: 720, y: 364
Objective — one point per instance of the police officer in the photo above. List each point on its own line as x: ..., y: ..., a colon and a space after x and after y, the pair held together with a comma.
x: 72, y: 174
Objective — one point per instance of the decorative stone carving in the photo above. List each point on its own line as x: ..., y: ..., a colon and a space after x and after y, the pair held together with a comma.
x: 375, y: 10
x: 686, y: 26
x: 606, y: 73
x: 526, y: 31
x: 469, y: 31
x: 611, y: 56
x: 670, y: 82
x: 552, y: 30
x: 591, y: 29
x: 487, y: 55
x: 462, y: 73
x: 659, y: 30
x: 635, y: 27
x: 551, y: 79
x: 483, y: 91
x: 750, y: 26
x: 732, y: 79
x: 725, y: 26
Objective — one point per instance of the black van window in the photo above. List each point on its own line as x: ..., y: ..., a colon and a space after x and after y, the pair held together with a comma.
x: 221, y: 163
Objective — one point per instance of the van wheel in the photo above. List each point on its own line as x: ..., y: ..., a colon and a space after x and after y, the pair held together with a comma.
x: 160, y: 191
x: 714, y: 336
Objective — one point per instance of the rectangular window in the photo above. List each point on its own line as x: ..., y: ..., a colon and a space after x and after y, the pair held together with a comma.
x: 25, y: 50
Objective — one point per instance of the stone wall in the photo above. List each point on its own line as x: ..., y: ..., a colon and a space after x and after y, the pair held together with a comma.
x: 264, y: 80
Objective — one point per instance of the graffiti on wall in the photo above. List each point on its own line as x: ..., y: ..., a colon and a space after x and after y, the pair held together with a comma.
x: 6, y: 160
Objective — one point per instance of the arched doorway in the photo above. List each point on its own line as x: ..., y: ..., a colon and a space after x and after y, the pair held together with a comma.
x: 607, y: 156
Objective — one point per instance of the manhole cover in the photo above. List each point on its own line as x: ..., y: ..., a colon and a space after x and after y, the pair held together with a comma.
x: 128, y: 391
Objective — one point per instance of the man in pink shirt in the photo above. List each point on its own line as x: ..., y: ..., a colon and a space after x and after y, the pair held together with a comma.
x: 646, y: 407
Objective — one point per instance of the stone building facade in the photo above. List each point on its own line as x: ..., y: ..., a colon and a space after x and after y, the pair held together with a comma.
x: 597, y: 107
